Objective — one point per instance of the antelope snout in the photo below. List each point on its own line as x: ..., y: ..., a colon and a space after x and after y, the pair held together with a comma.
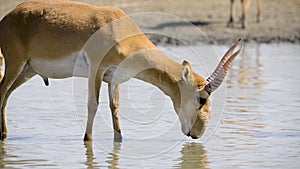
x: 193, y: 136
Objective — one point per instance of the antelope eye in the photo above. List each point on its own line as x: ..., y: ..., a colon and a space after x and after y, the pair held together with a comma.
x: 201, y: 101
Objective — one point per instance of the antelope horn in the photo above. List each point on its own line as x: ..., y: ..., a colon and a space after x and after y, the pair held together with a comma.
x: 217, y: 77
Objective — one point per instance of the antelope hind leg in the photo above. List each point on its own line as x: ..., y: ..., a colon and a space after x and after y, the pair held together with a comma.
x: 26, y: 74
x: 12, y: 73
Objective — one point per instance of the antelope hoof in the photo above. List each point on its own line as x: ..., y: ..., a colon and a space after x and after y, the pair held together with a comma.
x: 3, y: 136
x: 244, y: 25
x: 230, y: 25
x: 117, y: 136
x: 87, y: 137
x: 258, y: 20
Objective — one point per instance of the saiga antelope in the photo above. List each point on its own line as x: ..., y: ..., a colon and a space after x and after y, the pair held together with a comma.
x: 49, y: 38
x: 245, y: 7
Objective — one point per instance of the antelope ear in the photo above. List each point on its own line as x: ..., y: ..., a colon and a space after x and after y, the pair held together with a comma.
x: 187, y: 76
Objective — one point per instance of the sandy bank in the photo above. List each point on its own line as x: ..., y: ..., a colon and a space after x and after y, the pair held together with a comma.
x: 280, y: 19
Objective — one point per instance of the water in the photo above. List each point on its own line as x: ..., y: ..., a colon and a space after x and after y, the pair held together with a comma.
x: 255, y: 120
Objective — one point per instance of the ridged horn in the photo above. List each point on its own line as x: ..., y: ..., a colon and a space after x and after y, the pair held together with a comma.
x: 217, y: 77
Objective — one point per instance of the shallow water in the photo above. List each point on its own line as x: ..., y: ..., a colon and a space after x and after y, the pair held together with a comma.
x: 255, y: 119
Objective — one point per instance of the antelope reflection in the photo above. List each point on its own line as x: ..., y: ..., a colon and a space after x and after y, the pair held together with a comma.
x: 193, y: 155
x: 112, y: 158
x: 249, y: 70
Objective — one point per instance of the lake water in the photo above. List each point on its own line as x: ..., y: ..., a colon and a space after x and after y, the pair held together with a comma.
x: 254, y: 124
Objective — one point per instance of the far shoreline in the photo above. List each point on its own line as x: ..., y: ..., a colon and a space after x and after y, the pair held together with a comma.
x: 280, y: 20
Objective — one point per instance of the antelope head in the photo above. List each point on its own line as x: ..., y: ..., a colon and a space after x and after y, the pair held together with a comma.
x: 194, y: 112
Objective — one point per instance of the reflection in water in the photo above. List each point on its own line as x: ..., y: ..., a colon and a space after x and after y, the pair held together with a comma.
x: 113, y: 157
x: 3, y: 154
x: 260, y: 118
x: 9, y: 158
x: 90, y: 163
x: 193, y: 155
x: 246, y: 77
x: 249, y: 71
x: 259, y: 128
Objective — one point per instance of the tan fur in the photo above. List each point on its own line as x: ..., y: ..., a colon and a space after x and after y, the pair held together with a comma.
x: 245, y: 8
x: 51, y: 16
x: 53, y: 30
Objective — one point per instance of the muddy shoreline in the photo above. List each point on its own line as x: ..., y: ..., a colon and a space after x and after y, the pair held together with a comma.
x: 280, y: 20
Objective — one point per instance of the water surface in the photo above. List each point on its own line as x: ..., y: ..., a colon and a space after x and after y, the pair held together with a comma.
x: 255, y: 120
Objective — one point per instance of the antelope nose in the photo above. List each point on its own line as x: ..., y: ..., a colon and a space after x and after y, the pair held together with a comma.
x: 193, y: 137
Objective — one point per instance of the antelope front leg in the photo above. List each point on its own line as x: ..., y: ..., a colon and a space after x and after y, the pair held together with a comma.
x: 93, y: 102
x: 114, y: 92
x: 259, y: 10
x: 245, y: 7
x: 230, y: 23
